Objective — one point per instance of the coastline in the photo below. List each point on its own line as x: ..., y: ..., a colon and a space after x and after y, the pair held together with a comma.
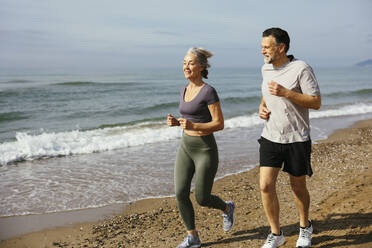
x: 341, y: 207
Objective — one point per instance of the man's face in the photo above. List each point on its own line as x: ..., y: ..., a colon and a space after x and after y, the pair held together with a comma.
x: 270, y: 50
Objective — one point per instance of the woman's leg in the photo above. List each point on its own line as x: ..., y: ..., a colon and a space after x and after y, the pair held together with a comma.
x: 206, y: 164
x: 183, y: 172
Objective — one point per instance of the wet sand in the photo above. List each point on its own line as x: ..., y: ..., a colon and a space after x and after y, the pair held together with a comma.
x: 341, y: 208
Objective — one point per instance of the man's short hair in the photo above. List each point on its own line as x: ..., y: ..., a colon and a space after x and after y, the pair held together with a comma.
x: 280, y: 35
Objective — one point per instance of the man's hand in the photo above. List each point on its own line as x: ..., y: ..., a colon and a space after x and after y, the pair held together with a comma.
x: 304, y: 100
x: 264, y: 112
x: 277, y: 89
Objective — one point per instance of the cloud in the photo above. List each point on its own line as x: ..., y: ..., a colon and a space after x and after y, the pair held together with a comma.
x: 85, y: 31
x: 21, y: 39
x: 166, y: 33
x: 369, y: 38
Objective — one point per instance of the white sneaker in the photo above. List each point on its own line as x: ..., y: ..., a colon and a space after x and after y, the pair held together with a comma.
x: 228, y: 219
x: 190, y: 242
x: 304, y: 239
x: 273, y: 241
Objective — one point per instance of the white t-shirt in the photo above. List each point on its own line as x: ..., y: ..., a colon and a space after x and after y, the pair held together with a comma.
x: 288, y: 122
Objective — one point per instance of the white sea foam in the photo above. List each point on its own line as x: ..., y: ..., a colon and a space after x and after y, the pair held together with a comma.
x: 44, y: 145
x: 243, y: 121
x: 354, y: 109
x: 28, y: 147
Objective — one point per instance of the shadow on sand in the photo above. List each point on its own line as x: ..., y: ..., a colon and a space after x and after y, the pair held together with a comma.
x: 332, y: 225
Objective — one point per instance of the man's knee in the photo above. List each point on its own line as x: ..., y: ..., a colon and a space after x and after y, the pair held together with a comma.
x: 298, y: 185
x: 300, y: 190
x: 268, y: 176
x: 267, y: 186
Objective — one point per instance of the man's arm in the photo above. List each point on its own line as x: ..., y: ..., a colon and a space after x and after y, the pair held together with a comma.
x: 263, y: 111
x: 304, y: 100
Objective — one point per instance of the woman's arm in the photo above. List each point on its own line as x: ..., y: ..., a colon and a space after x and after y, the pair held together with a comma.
x: 216, y: 124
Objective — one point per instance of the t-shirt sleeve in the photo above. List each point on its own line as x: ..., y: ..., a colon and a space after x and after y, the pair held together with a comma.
x: 211, y: 96
x: 308, y: 82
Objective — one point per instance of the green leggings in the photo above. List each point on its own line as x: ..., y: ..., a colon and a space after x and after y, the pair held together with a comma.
x: 196, y: 155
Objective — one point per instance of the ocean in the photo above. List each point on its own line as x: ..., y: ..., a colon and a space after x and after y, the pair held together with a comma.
x: 80, y: 141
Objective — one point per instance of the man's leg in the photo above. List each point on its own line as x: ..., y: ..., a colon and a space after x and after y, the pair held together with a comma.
x: 268, y: 176
x: 301, y: 197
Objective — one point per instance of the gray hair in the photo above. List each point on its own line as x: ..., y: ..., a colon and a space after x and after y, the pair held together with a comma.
x: 202, y: 56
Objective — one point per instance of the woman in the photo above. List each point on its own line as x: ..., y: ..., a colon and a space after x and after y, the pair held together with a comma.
x: 198, y: 154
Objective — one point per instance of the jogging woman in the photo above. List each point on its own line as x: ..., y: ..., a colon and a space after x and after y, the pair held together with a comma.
x: 198, y: 153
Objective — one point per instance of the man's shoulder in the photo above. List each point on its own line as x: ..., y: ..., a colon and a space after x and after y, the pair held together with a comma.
x: 300, y: 64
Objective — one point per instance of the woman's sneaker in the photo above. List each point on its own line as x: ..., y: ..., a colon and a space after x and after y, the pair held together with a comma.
x: 304, y: 239
x: 228, y: 219
x: 274, y: 241
x: 190, y: 242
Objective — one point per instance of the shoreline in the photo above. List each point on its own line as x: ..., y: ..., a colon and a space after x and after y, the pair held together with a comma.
x: 9, y: 225
x: 31, y: 223
x: 155, y: 222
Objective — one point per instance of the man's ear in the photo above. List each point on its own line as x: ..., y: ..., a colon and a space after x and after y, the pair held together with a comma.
x: 282, y: 47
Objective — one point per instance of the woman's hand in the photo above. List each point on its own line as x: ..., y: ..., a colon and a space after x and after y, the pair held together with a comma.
x: 171, y: 121
x: 200, y: 129
x: 185, y: 124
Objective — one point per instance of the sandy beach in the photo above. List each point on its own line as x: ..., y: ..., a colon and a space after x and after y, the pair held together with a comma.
x: 341, y: 208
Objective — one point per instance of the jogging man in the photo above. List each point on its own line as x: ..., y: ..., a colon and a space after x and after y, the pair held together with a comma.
x: 289, y: 90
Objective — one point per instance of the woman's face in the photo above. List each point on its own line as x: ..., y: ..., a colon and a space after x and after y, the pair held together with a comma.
x: 191, y: 67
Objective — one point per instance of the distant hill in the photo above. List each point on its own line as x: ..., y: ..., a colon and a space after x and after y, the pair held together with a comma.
x: 367, y: 62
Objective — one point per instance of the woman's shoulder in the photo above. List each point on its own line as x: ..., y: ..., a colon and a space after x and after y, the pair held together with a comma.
x: 209, y: 87
x: 210, y: 94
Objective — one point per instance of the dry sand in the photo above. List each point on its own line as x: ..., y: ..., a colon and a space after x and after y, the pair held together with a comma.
x: 341, y: 208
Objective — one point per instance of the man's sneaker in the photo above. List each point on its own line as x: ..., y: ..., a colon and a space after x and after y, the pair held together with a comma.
x: 274, y: 241
x: 228, y: 219
x: 190, y: 242
x: 304, y: 239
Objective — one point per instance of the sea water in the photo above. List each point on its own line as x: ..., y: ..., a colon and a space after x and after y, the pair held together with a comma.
x: 78, y: 141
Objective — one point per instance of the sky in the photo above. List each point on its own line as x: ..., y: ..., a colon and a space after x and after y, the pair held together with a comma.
x: 109, y: 35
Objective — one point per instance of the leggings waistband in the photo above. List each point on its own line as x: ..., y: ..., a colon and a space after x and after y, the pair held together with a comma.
x: 197, y: 142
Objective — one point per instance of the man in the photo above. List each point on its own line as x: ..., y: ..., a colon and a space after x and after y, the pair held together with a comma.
x: 289, y: 90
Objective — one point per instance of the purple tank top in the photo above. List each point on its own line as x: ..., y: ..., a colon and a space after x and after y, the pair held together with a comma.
x: 197, y: 109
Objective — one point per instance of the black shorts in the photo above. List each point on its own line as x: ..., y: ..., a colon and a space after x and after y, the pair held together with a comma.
x: 295, y: 156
